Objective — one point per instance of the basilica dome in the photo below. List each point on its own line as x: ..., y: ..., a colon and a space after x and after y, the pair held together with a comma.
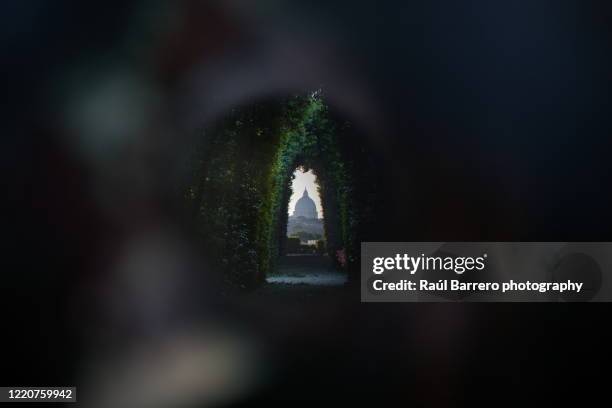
x: 305, y: 207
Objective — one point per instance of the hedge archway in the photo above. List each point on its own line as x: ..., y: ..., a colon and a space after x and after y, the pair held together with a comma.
x: 240, y: 187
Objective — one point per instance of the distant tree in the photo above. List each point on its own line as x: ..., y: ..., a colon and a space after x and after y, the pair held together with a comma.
x: 305, y: 236
x: 293, y: 245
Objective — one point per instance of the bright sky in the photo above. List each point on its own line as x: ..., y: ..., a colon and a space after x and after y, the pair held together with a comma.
x: 300, y: 181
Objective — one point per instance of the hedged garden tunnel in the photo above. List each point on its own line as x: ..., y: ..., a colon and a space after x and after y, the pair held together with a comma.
x: 241, y: 183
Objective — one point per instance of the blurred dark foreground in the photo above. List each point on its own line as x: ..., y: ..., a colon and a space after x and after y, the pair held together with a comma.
x: 491, y: 120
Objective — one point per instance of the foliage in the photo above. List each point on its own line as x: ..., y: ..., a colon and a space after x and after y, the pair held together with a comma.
x: 241, y: 183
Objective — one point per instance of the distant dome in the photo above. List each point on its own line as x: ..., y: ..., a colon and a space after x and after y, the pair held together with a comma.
x: 305, y: 207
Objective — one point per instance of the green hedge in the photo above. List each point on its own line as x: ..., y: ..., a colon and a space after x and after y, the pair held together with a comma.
x: 241, y: 173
